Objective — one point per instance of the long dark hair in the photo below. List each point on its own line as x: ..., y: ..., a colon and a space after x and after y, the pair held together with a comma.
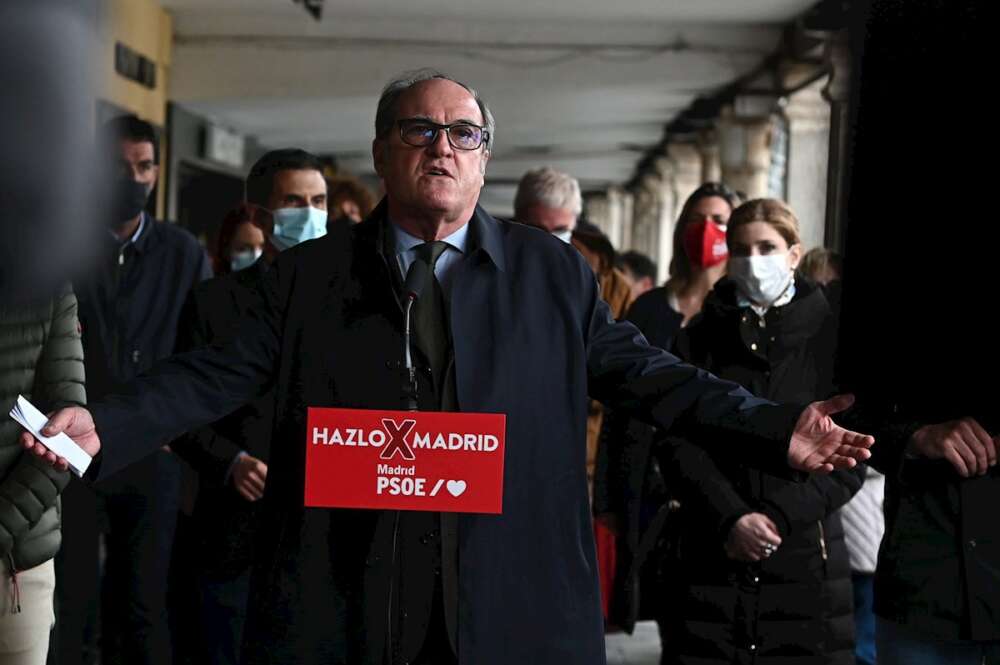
x: 680, y: 264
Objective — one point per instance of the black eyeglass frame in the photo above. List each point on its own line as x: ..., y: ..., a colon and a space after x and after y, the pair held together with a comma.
x: 484, y: 134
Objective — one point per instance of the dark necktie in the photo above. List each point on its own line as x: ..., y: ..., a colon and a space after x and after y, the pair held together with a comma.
x: 429, y: 320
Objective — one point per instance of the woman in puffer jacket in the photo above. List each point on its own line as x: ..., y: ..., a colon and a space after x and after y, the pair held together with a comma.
x: 762, y: 573
x: 41, y: 358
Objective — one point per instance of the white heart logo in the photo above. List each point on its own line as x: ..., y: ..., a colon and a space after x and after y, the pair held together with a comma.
x: 456, y: 487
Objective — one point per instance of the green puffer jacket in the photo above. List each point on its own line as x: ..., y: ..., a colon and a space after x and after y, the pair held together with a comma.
x: 41, y: 357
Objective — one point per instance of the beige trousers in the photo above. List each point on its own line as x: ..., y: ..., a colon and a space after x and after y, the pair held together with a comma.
x: 24, y: 636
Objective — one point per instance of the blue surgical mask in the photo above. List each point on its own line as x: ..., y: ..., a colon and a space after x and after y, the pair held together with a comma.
x: 295, y: 225
x: 244, y: 259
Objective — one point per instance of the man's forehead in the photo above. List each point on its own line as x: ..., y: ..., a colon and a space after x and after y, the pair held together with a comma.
x: 136, y: 151
x: 439, y: 99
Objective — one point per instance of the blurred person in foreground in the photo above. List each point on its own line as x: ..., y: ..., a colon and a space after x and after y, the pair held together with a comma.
x: 231, y: 455
x: 130, y: 301
x: 515, y: 325
x: 41, y: 359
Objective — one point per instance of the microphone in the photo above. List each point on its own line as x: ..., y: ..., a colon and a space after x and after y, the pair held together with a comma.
x: 417, y: 278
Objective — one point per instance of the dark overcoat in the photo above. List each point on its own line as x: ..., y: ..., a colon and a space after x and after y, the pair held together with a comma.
x: 531, y: 340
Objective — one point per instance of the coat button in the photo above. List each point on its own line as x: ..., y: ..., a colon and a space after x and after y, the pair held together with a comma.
x: 753, y: 347
x: 972, y: 543
x: 756, y: 580
x: 753, y: 647
x: 135, y: 356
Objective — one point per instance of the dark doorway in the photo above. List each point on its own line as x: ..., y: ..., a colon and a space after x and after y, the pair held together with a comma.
x: 204, y: 197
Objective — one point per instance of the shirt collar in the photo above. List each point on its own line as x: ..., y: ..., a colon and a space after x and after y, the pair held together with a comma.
x: 138, y: 231
x: 405, y: 242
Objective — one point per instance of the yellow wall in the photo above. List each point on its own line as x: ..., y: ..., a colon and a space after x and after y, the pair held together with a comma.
x: 143, y: 26
x: 147, y: 29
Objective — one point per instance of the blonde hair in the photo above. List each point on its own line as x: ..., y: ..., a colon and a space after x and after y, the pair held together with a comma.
x: 773, y: 212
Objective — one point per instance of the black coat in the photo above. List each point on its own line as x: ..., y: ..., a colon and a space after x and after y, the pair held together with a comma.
x: 797, y: 606
x: 225, y: 523
x: 629, y: 485
x: 531, y: 339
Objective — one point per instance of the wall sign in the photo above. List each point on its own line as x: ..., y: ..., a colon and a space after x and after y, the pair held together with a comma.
x: 134, y: 66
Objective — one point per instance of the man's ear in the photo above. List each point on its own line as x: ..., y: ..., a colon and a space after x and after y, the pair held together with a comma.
x: 378, y: 155
x: 482, y: 164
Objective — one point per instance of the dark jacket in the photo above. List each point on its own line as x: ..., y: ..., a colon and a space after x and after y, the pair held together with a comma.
x: 939, y: 564
x: 629, y: 486
x: 43, y: 360
x: 796, y: 606
x: 225, y: 523
x: 531, y: 339
x: 131, y: 300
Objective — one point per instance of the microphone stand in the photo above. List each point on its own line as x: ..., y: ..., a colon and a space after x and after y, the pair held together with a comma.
x: 409, y: 373
x: 417, y: 278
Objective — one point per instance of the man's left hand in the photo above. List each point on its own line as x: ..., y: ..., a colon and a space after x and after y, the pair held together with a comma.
x: 819, y: 444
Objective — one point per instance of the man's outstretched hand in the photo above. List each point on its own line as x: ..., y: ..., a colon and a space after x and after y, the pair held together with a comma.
x: 77, y: 423
x: 819, y: 444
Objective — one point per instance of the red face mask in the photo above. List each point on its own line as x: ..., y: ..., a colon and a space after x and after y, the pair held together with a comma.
x: 705, y: 243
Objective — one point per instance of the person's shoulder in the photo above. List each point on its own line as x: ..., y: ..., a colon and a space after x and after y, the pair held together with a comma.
x: 219, y: 286
x: 530, y: 244
x: 173, y: 237
x: 654, y: 299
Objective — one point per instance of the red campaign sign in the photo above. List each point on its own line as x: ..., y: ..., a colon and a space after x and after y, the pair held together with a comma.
x: 405, y: 460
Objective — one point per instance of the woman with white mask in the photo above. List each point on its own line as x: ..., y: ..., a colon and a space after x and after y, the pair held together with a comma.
x: 761, y: 571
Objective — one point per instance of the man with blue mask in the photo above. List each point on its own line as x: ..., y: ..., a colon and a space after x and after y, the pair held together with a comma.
x: 291, y: 185
x: 287, y: 201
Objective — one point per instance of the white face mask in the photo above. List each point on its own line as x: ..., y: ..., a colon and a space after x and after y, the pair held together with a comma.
x: 244, y: 259
x: 762, y: 279
x: 564, y: 234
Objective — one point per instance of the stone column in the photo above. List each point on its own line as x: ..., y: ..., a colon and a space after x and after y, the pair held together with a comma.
x: 711, y: 166
x: 597, y: 211
x: 745, y: 152
x: 687, y: 161
x: 646, y: 197
x: 837, y: 93
x: 620, y: 206
x: 808, y: 116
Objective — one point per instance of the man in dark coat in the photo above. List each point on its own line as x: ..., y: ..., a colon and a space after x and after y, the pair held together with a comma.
x: 130, y: 301
x: 527, y: 336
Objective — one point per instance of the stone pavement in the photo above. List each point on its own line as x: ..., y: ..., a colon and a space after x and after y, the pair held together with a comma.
x: 640, y: 648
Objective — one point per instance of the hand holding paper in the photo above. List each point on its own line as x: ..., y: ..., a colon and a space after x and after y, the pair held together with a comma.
x: 69, y: 440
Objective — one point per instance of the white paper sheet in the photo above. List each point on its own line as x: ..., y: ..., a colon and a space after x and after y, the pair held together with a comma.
x: 33, y: 420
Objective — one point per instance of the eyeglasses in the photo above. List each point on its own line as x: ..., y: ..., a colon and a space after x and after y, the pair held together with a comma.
x: 461, y: 135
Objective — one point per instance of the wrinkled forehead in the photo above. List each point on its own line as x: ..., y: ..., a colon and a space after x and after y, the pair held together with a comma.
x: 439, y: 100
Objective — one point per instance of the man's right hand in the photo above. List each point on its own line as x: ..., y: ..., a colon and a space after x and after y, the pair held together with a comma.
x: 76, y: 423
x: 963, y: 442
x: 249, y: 477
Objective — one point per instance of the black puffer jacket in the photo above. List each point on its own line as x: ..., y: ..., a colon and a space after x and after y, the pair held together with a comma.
x: 795, y: 607
x: 41, y: 358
